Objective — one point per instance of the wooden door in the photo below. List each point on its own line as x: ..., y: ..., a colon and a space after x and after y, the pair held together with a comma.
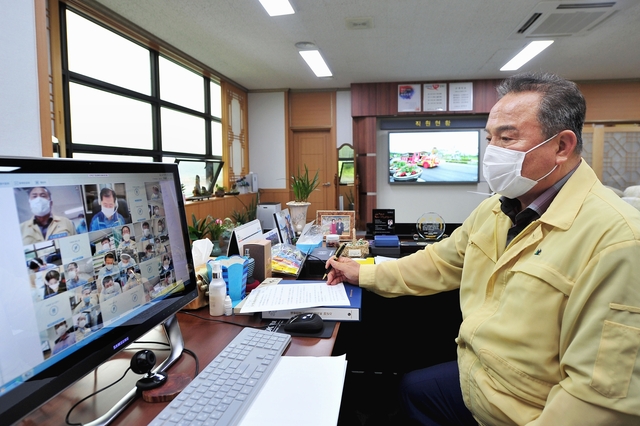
x: 317, y: 151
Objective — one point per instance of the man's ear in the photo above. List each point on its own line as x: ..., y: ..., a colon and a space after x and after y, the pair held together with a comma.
x: 566, y: 145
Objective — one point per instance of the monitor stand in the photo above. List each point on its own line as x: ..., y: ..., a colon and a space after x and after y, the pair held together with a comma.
x: 176, y: 343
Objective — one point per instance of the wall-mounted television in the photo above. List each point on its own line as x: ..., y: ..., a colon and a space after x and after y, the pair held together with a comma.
x: 442, y: 156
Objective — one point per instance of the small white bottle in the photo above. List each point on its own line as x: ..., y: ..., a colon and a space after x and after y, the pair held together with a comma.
x: 217, y: 291
x: 228, y: 306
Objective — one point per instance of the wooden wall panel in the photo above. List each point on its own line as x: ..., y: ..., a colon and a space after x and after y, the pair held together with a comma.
x: 367, y: 172
x: 484, y: 95
x: 217, y: 207
x: 386, y: 99
x: 363, y: 99
x: 612, y: 101
x: 367, y: 204
x: 311, y: 110
x: 282, y: 196
x: 364, y: 135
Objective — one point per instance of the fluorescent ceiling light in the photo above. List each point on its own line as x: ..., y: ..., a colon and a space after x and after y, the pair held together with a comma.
x: 277, y: 7
x: 526, y: 54
x: 316, y: 63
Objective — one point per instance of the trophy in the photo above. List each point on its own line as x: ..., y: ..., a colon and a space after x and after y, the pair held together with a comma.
x: 430, y: 226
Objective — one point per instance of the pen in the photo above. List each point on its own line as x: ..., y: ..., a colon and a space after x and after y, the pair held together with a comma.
x: 336, y: 257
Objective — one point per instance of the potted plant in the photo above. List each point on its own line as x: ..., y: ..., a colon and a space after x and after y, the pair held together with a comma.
x: 220, y: 190
x: 302, y: 186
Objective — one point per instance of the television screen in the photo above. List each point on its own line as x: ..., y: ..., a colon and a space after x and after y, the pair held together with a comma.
x: 434, y: 157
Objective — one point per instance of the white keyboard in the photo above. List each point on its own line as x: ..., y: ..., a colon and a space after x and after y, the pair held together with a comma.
x: 224, y: 389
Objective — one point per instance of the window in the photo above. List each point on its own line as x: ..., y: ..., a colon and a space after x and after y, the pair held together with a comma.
x: 126, y: 99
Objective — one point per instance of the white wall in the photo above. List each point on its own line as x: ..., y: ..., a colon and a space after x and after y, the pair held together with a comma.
x: 453, y: 202
x: 344, y: 122
x: 267, y: 150
x: 19, y: 103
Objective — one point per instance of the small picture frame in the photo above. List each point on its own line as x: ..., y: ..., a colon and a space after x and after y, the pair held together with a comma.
x: 284, y: 226
x: 339, y: 222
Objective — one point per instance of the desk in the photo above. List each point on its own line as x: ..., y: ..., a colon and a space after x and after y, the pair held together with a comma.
x: 205, y: 338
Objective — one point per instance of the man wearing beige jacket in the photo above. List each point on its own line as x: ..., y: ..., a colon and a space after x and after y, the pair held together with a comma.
x: 548, y: 278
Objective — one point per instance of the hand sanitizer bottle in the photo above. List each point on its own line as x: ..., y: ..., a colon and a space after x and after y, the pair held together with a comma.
x: 217, y: 291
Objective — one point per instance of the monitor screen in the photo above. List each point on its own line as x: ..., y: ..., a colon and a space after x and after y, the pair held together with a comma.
x: 93, y: 255
x: 434, y: 156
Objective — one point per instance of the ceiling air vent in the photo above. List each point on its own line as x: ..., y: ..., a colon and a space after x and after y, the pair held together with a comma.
x: 565, y: 19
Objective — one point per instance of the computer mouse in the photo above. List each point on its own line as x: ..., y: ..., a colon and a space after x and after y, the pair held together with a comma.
x: 304, y: 323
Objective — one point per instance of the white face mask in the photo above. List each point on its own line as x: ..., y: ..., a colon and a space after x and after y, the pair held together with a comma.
x: 145, y: 232
x: 109, y: 290
x: 126, y: 237
x: 60, y: 331
x: 109, y: 266
x: 40, y: 206
x: 106, y: 246
x: 109, y: 211
x: 502, y: 169
x: 82, y: 323
x: 71, y: 275
x: 54, y: 286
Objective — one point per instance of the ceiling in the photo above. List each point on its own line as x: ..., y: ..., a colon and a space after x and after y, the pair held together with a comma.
x: 410, y: 40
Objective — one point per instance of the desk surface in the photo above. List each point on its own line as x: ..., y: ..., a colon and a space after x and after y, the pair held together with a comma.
x: 205, y: 338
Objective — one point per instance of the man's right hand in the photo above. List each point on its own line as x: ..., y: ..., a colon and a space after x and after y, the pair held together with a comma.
x: 344, y: 269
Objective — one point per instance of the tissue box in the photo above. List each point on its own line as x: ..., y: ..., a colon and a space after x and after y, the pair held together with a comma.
x: 308, y: 247
x: 234, y: 272
x: 310, y: 239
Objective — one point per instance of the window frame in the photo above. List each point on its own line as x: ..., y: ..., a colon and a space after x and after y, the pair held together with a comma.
x: 154, y: 100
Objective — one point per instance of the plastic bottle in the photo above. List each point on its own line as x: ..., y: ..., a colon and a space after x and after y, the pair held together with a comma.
x: 217, y: 291
x: 228, y: 306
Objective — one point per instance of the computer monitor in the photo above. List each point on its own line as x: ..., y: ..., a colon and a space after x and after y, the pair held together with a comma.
x: 93, y: 256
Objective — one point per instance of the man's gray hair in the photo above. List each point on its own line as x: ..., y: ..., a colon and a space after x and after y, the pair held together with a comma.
x: 562, y: 106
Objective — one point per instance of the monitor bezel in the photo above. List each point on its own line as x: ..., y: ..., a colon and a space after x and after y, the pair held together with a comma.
x: 34, y: 392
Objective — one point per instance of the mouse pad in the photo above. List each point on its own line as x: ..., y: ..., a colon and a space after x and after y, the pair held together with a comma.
x: 325, y: 333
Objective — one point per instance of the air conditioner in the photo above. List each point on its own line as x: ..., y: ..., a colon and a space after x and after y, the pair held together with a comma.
x: 566, y: 18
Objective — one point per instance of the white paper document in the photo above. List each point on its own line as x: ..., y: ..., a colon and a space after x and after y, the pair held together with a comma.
x: 295, y: 296
x: 301, y: 391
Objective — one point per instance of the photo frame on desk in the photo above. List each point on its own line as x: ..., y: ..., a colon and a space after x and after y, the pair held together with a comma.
x: 284, y: 226
x: 339, y: 222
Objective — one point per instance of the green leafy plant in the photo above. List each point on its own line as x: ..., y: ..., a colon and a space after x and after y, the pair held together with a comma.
x: 248, y: 213
x: 200, y: 228
x: 208, y: 227
x: 302, y: 185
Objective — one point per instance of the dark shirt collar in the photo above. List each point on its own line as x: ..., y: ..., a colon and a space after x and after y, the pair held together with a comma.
x: 521, y: 219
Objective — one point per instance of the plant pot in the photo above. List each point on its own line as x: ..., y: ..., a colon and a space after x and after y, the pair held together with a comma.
x: 298, y: 210
x: 219, y: 193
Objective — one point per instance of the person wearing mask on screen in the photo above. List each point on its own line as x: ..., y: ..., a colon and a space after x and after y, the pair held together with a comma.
x: 155, y: 193
x: 105, y: 245
x: 72, y: 276
x: 109, y: 268
x: 110, y: 288
x: 108, y: 216
x: 148, y: 252
x: 146, y: 232
x: 44, y: 225
x: 82, y: 327
x: 127, y: 241
x: 52, y: 284
x: 88, y: 301
x: 126, y: 261
x: 167, y: 265
x: 65, y: 337
x: 548, y: 283
x: 162, y: 229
